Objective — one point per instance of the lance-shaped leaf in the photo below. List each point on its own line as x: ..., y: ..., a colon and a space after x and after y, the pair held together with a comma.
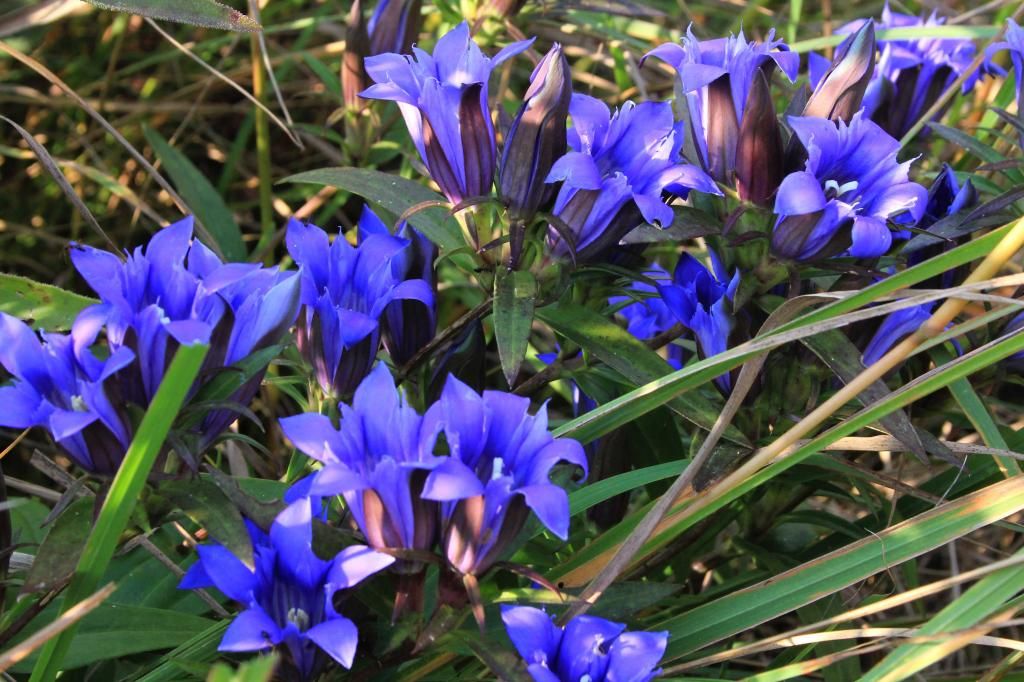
x: 43, y: 306
x: 515, y: 292
x: 206, y: 13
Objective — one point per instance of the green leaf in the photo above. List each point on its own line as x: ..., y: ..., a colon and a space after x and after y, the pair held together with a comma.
x: 199, y: 650
x: 207, y: 205
x: 204, y: 502
x: 44, y: 306
x: 903, y: 33
x: 58, y: 555
x: 515, y: 292
x: 827, y: 575
x: 116, y: 630
x: 394, y: 194
x: 121, y: 499
x: 628, y: 356
x: 206, y: 13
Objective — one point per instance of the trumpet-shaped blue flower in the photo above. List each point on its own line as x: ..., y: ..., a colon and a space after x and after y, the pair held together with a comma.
x: 851, y: 186
x: 175, y: 290
x: 61, y: 386
x: 616, y: 175
x: 587, y: 649
x: 409, y: 323
x: 894, y: 328
x: 718, y: 78
x: 443, y: 99
x: 1013, y: 42
x: 911, y: 74
x: 646, y: 313
x: 345, y: 292
x: 498, y: 471
x: 288, y: 594
x: 378, y: 461
x: 702, y: 302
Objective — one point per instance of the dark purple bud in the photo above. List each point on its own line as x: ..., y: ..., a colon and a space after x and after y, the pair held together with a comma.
x: 394, y: 26
x: 478, y: 149
x: 841, y: 90
x: 759, y: 152
x: 357, y: 48
x: 537, y: 137
x: 722, y: 129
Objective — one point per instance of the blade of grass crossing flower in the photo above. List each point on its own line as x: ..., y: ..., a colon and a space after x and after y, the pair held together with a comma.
x: 902, y: 33
x: 827, y: 575
x: 124, y: 493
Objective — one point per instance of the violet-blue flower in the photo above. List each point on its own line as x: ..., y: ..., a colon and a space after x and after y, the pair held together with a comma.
x: 378, y: 461
x: 443, y: 99
x: 720, y: 79
x: 1013, y: 42
x: 61, y: 386
x: 288, y: 594
x: 946, y: 197
x: 498, y: 471
x: 701, y: 301
x: 645, y: 312
x: 587, y: 648
x: 175, y: 290
x: 616, y: 175
x: 409, y: 323
x: 851, y: 186
x: 911, y: 74
x: 345, y: 292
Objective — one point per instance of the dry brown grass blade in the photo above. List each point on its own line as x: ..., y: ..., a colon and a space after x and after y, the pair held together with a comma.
x: 19, y: 652
x: 39, y: 14
x: 232, y: 84
x: 51, y: 167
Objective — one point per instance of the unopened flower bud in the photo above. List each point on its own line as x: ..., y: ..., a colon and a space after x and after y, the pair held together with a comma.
x: 840, y: 92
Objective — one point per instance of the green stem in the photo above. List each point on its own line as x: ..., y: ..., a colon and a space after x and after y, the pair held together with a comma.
x: 262, y: 153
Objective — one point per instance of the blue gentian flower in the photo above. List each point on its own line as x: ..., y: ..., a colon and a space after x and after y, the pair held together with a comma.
x: 617, y: 172
x: 646, y: 313
x: 1013, y: 42
x: 946, y: 197
x: 443, y: 98
x: 175, y: 290
x: 498, y: 471
x: 894, y: 328
x: 345, y: 292
x: 911, y: 74
x: 61, y: 386
x: 409, y: 323
x: 378, y: 460
x: 702, y: 302
x: 851, y: 186
x: 731, y: 114
x: 288, y: 593
x: 588, y: 648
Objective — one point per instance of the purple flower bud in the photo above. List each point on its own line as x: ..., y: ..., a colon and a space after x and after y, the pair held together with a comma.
x: 394, y: 26
x: 840, y: 91
x: 443, y: 98
x: 288, y: 594
x: 357, y: 48
x: 759, y: 152
x: 537, y: 137
x: 587, y: 648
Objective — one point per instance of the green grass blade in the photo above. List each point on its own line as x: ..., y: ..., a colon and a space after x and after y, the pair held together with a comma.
x: 903, y: 33
x: 124, y: 493
x: 827, y: 575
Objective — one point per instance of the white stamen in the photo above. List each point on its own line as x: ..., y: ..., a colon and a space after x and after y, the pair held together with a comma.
x: 78, y: 404
x: 299, y: 617
x: 497, y: 466
x: 840, y: 190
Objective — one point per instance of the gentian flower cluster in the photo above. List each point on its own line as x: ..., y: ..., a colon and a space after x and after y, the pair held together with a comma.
x: 911, y: 74
x: 288, y: 594
x: 174, y: 291
x: 852, y: 185
x: 587, y: 648
x: 731, y: 115
x: 616, y: 174
x: 443, y: 99
x: 347, y: 291
x: 403, y: 496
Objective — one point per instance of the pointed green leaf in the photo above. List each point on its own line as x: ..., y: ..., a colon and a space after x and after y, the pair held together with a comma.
x: 206, y: 13
x: 44, y: 306
x: 515, y: 292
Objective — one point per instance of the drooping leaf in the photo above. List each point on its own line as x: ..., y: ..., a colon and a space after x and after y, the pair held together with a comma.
x: 44, y: 306
x: 204, y: 502
x: 59, y: 553
x: 515, y: 292
x: 394, y: 194
x: 206, y: 203
x: 206, y: 13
